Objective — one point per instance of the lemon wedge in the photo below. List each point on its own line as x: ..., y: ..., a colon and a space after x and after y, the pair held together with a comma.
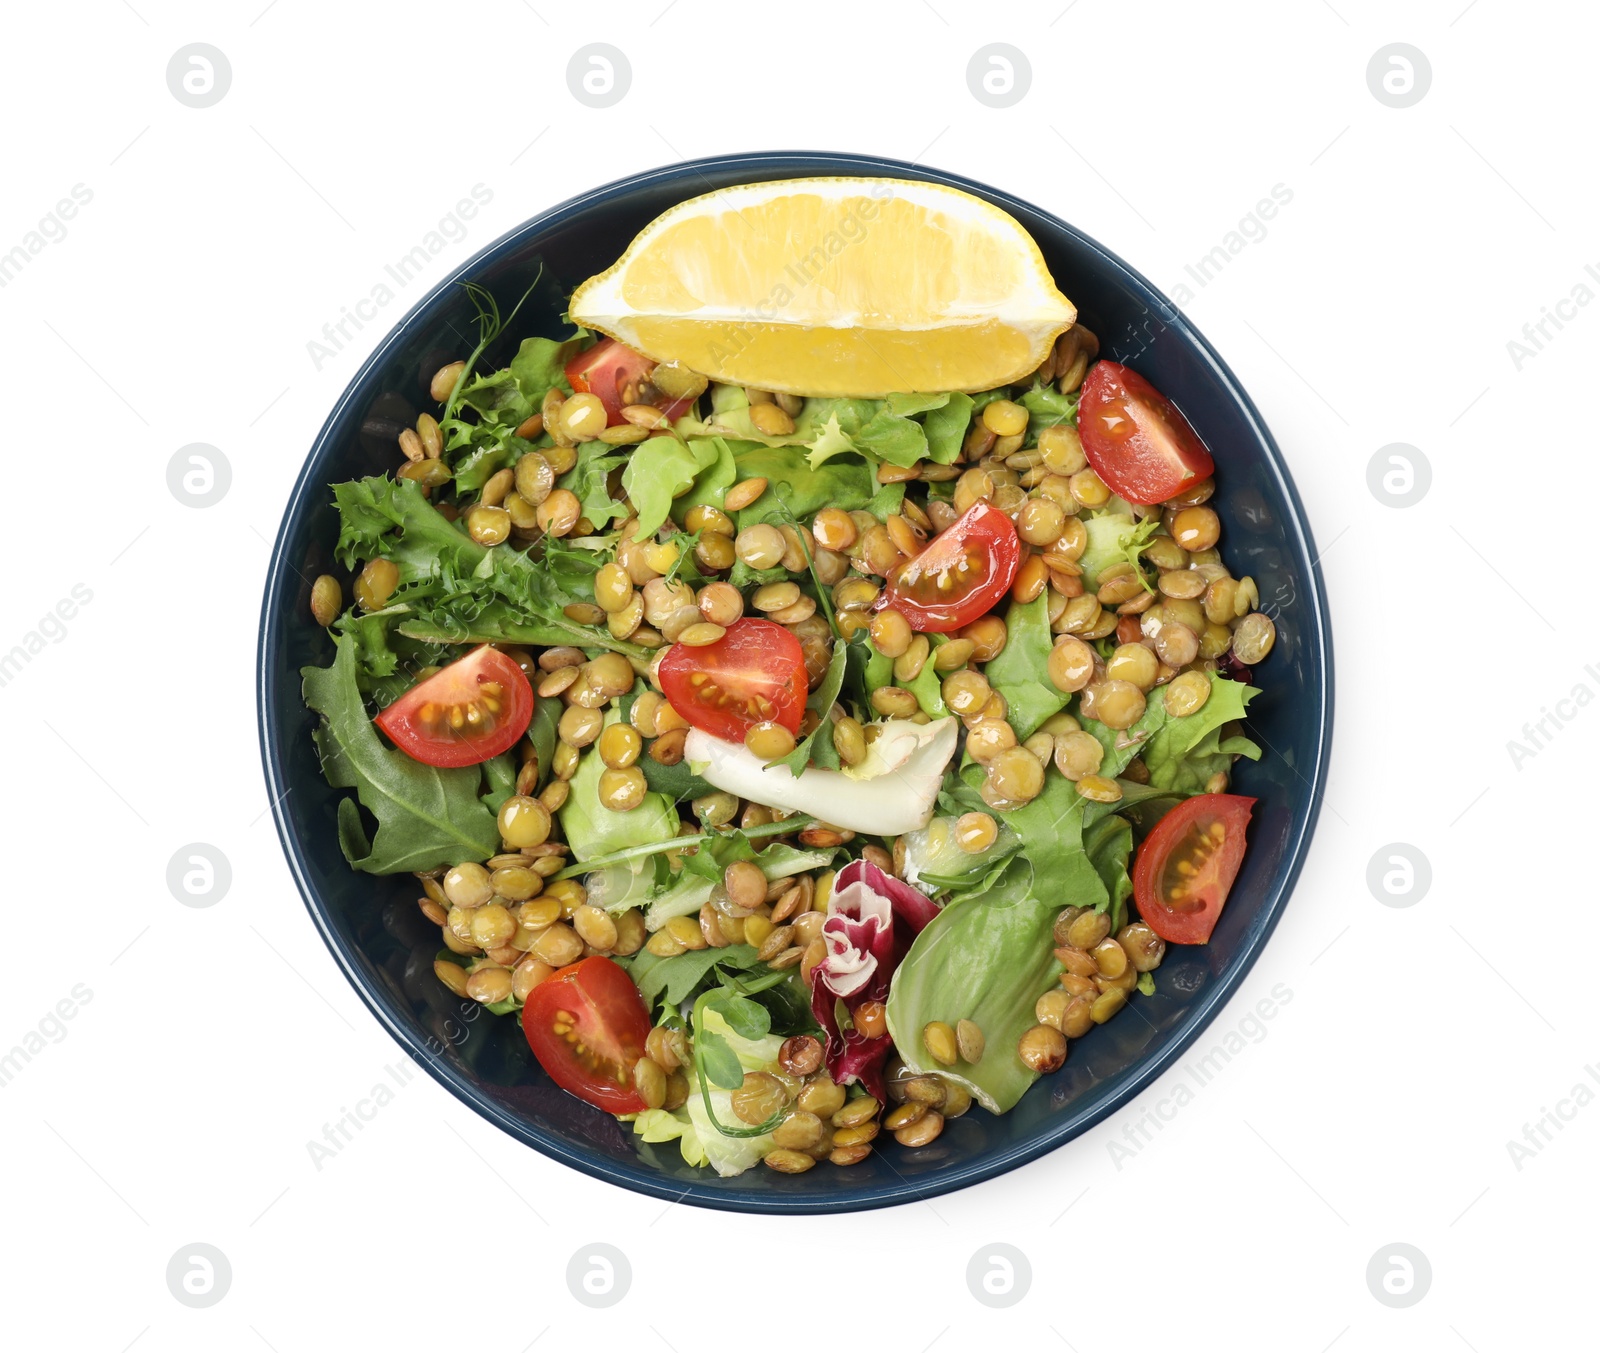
x: 856, y: 287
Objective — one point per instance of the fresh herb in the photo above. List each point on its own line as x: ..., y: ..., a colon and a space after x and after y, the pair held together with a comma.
x: 490, y: 326
x: 716, y: 1062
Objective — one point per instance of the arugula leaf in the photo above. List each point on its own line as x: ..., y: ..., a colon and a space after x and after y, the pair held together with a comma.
x: 817, y: 746
x: 658, y: 471
x: 1021, y: 671
x: 671, y: 981
x: 427, y: 816
x: 501, y: 774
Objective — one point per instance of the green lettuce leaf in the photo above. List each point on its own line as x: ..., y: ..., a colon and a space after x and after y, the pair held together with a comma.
x: 588, y: 479
x: 1184, y: 753
x: 657, y: 1125
x: 1021, y: 671
x: 1109, y: 844
x: 1115, y: 537
x: 945, y: 427
x: 427, y: 816
x: 988, y: 957
x: 658, y: 471
x: 592, y: 830
x: 1046, y: 407
x: 510, y: 395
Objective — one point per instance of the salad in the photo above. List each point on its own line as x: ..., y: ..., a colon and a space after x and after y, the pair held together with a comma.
x: 797, y: 768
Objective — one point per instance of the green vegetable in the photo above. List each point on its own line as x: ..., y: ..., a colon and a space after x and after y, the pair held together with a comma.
x: 588, y: 479
x: 1021, y: 672
x: 1109, y: 843
x: 1184, y: 753
x: 908, y: 405
x: 711, y: 485
x: 933, y: 858
x: 453, y: 590
x: 946, y: 428
x: 427, y: 816
x: 721, y: 1057
x: 817, y: 746
x: 511, y: 395
x: 693, y: 890
x: 987, y: 957
x: 657, y: 1125
x: 848, y: 484
x: 1051, y: 828
x: 1047, y: 406
x: 1114, y: 538
x: 592, y: 830
x: 490, y: 326
x: 501, y: 774
x: 928, y: 684
x: 671, y: 981
x: 660, y: 470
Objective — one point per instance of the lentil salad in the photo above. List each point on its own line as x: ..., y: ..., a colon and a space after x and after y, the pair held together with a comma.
x: 777, y: 760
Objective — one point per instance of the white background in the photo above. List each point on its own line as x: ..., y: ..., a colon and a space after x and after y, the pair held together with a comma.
x: 1378, y: 1105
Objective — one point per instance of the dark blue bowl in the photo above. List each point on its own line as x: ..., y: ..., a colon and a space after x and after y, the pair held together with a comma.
x: 385, y: 946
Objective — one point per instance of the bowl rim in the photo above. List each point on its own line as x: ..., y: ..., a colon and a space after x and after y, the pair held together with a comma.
x: 640, y: 1177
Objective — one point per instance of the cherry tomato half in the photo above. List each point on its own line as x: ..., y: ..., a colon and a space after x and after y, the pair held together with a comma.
x: 1185, y: 867
x: 1135, y: 438
x: 960, y: 574
x: 475, y: 708
x: 755, y: 673
x: 620, y: 376
x: 587, y: 1025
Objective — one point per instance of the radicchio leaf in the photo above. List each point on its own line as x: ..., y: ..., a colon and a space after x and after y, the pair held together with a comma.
x: 872, y: 919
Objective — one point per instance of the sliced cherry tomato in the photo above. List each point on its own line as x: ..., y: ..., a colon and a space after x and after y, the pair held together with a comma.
x: 960, y: 574
x: 475, y: 708
x: 1185, y: 867
x: 1135, y: 438
x: 755, y: 673
x: 587, y: 1025
x: 620, y: 376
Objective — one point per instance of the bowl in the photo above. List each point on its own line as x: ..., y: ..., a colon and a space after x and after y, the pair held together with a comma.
x: 386, y: 947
